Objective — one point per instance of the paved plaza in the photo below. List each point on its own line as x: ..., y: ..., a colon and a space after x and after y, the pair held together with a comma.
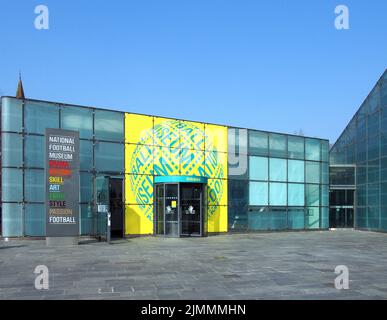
x: 282, y: 265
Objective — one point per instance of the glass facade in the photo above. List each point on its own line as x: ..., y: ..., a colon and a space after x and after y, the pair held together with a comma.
x: 23, y: 124
x: 284, y: 186
x: 363, y: 144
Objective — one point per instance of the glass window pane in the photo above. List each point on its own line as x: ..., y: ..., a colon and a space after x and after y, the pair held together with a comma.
x: 278, y: 145
x: 237, y: 142
x: 86, y: 186
x: 12, y: 216
x: 312, y: 149
x: 258, y: 168
x: 34, y: 151
x: 312, y: 219
x: 109, y: 125
x: 34, y: 185
x: 296, y: 171
x: 109, y: 157
x: 39, y: 116
x: 296, y: 194
x: 258, y: 193
x: 383, y: 94
x: 277, y: 194
x: 35, y: 222
x: 325, y: 173
x: 278, y: 169
x: 312, y: 172
x: 237, y: 193
x: 11, y: 114
x: 296, y: 147
x: 296, y: 218
x: 325, y: 195
x: 258, y: 143
x: 87, y: 224
x: 325, y: 151
x: 12, y: 149
x: 78, y: 119
x: 312, y: 195
x: 86, y: 155
x: 12, y: 184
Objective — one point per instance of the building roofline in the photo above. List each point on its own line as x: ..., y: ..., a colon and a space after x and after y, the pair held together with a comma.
x: 358, y: 109
x: 143, y: 114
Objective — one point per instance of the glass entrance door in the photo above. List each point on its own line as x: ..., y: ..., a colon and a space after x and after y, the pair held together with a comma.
x: 171, y: 210
x: 191, y: 209
x: 179, y: 209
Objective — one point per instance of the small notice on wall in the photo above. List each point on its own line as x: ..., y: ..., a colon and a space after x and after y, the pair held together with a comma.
x: 62, y: 183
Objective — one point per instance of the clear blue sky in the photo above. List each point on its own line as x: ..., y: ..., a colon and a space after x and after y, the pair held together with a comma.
x: 271, y: 65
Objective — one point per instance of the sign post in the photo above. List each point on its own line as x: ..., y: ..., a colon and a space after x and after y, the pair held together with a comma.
x: 62, y: 187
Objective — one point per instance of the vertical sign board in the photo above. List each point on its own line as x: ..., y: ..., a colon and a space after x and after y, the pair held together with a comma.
x: 62, y: 183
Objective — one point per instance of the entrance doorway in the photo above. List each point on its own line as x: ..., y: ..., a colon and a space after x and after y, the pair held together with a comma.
x: 109, y: 199
x: 341, y: 209
x: 180, y: 209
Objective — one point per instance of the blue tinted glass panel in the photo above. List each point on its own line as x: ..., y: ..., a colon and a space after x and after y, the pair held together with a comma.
x: 109, y: 125
x: 86, y: 155
x: 109, y: 157
x: 277, y: 194
x: 296, y: 218
x: 237, y: 141
x: 34, y: 151
x: 278, y: 169
x: 312, y: 219
x: 12, y: 218
x: 312, y: 149
x: 258, y: 193
x: 86, y: 185
x: 78, y: 119
x: 86, y: 219
x: 11, y: 115
x: 12, y: 184
x: 277, y: 145
x: 258, y: 143
x: 296, y: 147
x: 39, y: 116
x: 312, y: 172
x: 34, y: 185
x: 325, y: 151
x: 35, y: 220
x: 312, y: 195
x: 12, y: 149
x: 296, y: 171
x: 258, y: 168
x: 296, y: 194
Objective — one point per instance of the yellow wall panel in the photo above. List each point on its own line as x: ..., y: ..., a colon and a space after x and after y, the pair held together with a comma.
x: 217, y: 221
x: 139, y: 189
x: 217, y: 192
x: 135, y: 221
x: 216, y: 165
x: 191, y: 135
x: 192, y: 163
x: 138, y: 159
x: 166, y: 132
x: 166, y: 161
x: 138, y: 129
x: 216, y: 137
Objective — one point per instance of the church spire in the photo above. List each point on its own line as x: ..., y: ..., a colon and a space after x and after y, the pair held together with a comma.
x: 20, y: 90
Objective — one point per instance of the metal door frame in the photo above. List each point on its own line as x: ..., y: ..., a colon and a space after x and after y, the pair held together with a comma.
x: 179, y: 211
